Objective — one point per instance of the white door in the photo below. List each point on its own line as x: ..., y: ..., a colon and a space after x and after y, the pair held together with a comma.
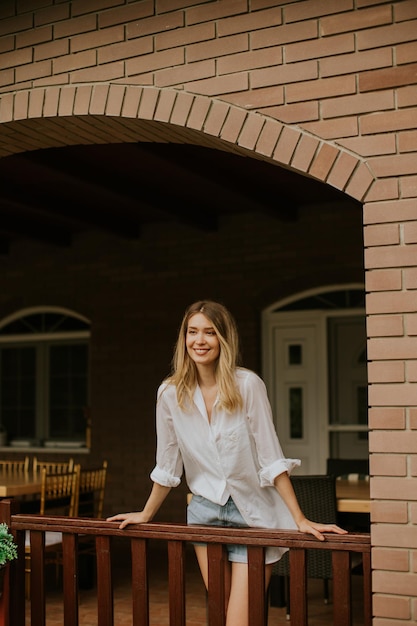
x: 294, y: 372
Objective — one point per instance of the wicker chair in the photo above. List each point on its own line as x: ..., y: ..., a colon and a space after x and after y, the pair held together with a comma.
x: 317, y: 498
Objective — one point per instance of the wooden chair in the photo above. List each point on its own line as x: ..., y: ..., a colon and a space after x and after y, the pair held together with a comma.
x: 91, y: 489
x: 90, y: 502
x: 15, y: 467
x: 53, y: 467
x: 58, y: 497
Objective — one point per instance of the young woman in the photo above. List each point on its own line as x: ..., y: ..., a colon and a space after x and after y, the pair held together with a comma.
x: 214, y: 423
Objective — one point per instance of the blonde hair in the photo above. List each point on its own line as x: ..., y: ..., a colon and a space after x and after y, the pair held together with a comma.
x: 184, y: 371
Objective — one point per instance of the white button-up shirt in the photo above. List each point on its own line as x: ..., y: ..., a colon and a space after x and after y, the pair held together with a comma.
x: 234, y: 454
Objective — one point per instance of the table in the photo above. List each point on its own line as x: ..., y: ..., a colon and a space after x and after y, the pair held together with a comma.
x: 25, y: 484
x: 353, y: 496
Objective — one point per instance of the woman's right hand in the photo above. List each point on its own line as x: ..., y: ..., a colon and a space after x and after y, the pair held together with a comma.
x: 156, y: 498
x: 137, y: 517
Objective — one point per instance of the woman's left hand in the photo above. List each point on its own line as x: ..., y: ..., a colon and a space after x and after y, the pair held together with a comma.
x: 313, y: 528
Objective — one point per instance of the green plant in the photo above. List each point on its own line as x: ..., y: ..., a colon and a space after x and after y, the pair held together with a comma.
x: 8, y: 548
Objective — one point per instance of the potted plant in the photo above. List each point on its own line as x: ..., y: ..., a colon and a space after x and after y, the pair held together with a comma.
x: 8, y: 552
x: 8, y: 548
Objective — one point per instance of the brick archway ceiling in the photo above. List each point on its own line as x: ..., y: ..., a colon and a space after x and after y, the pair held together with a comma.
x: 74, y: 174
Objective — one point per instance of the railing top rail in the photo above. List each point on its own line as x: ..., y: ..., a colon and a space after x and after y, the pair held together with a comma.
x: 352, y: 542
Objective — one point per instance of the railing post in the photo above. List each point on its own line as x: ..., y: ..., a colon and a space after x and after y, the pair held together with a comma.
x: 342, y: 606
x: 176, y: 582
x: 37, y: 578
x: 8, y: 594
x: 5, y: 510
x: 140, y: 588
x: 298, y: 587
x: 216, y: 599
x: 256, y: 582
x: 367, y: 588
x: 15, y: 616
x: 70, y: 578
x: 104, y: 582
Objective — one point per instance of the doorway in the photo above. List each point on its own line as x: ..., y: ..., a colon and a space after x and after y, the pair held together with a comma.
x: 314, y: 366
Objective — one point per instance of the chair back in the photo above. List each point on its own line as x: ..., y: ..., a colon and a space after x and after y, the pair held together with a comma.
x: 53, y: 467
x: 91, y: 488
x: 316, y: 495
x: 12, y: 468
x: 59, y: 492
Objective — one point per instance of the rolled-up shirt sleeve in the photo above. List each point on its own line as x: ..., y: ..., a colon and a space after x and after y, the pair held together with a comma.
x: 268, y: 474
x: 270, y: 456
x: 163, y: 478
x: 169, y: 466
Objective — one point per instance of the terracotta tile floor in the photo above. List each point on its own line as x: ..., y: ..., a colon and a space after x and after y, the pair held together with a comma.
x: 319, y: 613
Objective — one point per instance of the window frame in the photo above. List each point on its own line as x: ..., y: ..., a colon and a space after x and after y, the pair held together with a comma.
x: 42, y: 341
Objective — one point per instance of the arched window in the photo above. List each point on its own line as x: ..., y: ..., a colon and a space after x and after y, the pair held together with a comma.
x: 44, y: 377
x: 326, y: 300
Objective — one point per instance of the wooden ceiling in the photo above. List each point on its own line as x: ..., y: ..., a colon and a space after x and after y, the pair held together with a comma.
x: 53, y: 194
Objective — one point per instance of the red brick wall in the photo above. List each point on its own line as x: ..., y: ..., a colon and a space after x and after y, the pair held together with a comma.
x: 335, y: 83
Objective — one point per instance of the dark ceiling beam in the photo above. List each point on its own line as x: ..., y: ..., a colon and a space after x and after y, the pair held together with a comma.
x: 4, y: 245
x: 208, y: 185
x: 91, y: 176
x: 63, y: 214
x: 17, y: 227
x: 55, y: 189
x: 193, y: 213
x: 241, y: 188
x: 139, y: 193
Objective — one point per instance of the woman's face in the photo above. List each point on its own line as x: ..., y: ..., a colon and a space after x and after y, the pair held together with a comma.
x: 201, y: 340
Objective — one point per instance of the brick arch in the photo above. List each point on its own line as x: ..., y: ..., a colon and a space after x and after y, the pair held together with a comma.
x: 68, y: 115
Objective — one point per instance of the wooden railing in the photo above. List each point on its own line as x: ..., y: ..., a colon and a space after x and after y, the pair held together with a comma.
x: 176, y: 536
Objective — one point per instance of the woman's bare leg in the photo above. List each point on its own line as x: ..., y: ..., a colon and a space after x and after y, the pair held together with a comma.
x: 238, y: 607
x: 201, y: 554
x: 236, y: 587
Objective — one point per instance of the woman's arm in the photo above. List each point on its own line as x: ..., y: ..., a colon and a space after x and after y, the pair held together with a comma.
x: 153, y: 503
x: 285, y: 489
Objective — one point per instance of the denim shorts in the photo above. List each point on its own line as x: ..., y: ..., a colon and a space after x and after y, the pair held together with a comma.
x: 201, y: 511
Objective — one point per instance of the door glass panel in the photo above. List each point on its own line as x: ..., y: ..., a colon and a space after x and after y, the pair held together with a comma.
x: 296, y: 412
x: 295, y: 354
